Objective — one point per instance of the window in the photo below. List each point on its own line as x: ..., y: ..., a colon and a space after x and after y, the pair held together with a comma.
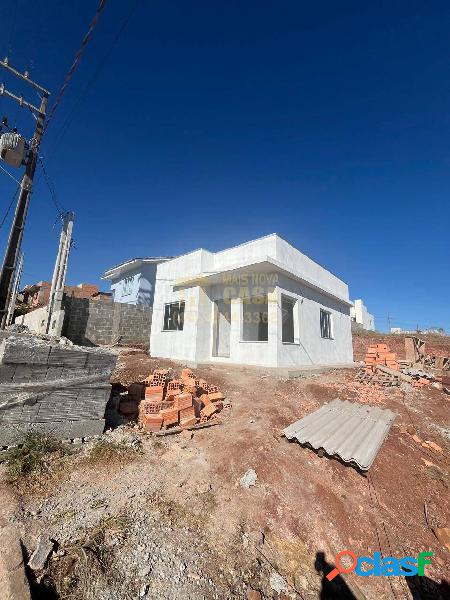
x: 255, y: 313
x: 287, y: 319
x: 127, y: 285
x: 325, y: 325
x: 173, y: 316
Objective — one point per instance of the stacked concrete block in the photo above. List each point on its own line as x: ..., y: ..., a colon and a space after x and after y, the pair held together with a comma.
x: 52, y: 388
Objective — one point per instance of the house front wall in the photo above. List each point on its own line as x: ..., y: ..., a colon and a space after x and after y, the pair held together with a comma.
x: 195, y: 343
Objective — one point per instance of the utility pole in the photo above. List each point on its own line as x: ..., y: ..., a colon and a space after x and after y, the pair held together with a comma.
x: 389, y: 323
x: 60, y: 270
x: 12, y: 301
x: 23, y: 201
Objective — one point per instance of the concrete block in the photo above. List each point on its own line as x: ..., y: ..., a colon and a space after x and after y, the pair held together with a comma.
x: 66, y: 357
x: 13, y: 433
x: 27, y: 350
x: 7, y: 373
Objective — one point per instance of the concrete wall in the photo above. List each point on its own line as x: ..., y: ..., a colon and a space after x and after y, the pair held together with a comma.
x: 142, y: 287
x: 36, y: 321
x: 195, y: 342
x: 361, y: 315
x: 89, y: 322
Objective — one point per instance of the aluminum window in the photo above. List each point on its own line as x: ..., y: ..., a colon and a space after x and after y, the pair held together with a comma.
x: 173, y: 316
x: 287, y: 319
x: 326, y: 329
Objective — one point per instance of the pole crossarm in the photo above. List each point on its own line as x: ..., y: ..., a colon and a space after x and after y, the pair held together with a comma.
x: 18, y: 99
x: 24, y: 76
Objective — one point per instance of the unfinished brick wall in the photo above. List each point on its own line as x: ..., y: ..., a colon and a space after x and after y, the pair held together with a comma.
x: 89, y: 322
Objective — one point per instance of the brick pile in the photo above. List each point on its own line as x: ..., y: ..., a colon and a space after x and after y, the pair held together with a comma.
x: 380, y: 354
x: 181, y: 402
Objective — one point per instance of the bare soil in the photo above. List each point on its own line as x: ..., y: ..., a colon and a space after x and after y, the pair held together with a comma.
x: 189, y: 530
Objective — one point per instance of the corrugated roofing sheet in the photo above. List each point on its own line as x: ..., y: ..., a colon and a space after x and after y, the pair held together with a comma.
x: 352, y: 431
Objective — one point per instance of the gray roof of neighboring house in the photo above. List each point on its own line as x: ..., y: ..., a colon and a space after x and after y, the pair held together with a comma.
x: 354, y: 432
x: 132, y: 263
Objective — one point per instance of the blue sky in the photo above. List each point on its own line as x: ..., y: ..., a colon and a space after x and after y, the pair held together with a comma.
x: 215, y: 122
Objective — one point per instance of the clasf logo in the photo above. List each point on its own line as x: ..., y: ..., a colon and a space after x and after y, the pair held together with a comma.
x: 381, y: 567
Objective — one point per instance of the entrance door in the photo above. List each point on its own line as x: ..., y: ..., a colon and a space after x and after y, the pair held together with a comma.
x: 222, y: 327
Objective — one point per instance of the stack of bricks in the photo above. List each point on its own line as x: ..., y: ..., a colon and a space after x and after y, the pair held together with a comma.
x: 379, y: 354
x: 37, y: 370
x: 181, y: 402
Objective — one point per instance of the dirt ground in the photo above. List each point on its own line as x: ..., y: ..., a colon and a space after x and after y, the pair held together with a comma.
x: 176, y: 523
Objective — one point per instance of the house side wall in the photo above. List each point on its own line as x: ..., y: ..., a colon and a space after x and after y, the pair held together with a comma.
x: 309, y: 346
x: 294, y: 261
x: 142, y: 287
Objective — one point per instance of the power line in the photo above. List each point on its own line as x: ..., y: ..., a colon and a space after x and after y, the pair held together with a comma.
x: 5, y: 216
x: 95, y: 75
x: 59, y: 207
x: 76, y: 60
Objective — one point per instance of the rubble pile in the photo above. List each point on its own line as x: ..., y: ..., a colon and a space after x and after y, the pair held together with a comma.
x: 52, y: 388
x: 382, y: 368
x: 163, y: 402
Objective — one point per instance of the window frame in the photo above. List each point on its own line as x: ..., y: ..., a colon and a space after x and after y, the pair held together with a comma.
x: 179, y: 326
x: 127, y: 287
x: 293, y: 302
x: 330, y: 325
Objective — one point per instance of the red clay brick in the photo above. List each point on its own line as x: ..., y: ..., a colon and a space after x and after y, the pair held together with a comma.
x: 183, y: 400
x: 170, y: 416
x: 215, y: 396
x: 205, y: 399
x: 149, y: 407
x: 154, y: 393
x: 187, y: 416
x: 151, y: 423
x: 209, y: 410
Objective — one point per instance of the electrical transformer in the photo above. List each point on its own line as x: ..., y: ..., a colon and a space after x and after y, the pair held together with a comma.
x: 12, y: 148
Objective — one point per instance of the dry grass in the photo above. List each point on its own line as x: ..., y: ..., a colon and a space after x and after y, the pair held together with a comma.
x: 107, y: 451
x: 89, y: 565
x: 36, y: 463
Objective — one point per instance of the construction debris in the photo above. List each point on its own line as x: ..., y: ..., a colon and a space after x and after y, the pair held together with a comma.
x: 52, y: 388
x: 382, y: 368
x: 162, y: 402
x: 248, y: 479
x: 353, y: 432
x: 40, y: 555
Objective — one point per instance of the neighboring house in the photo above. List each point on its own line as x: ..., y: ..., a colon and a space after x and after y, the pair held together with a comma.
x: 133, y: 281
x: 361, y: 316
x: 260, y: 303
x: 38, y: 294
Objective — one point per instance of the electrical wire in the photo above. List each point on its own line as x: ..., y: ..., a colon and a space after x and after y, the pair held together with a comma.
x: 76, y: 60
x: 82, y: 97
x: 9, y: 174
x: 59, y: 207
x: 5, y: 216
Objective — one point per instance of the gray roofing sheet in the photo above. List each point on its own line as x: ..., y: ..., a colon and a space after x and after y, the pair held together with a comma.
x: 352, y: 431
